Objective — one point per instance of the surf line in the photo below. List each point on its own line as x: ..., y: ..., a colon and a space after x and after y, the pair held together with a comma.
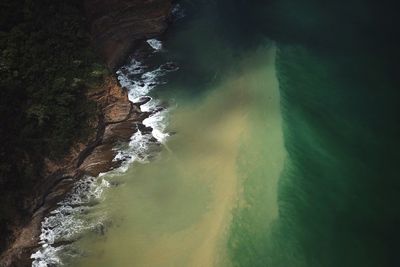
x: 68, y: 222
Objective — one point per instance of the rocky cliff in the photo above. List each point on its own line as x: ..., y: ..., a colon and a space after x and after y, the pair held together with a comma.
x: 117, y: 25
x: 116, y: 28
x: 117, y: 121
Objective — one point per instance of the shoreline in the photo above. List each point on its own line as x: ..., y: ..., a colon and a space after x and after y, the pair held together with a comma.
x: 118, y: 120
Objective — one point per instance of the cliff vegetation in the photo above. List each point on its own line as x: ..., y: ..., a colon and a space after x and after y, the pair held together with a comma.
x: 46, y: 67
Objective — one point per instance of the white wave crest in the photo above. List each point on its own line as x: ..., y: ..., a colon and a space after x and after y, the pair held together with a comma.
x: 72, y: 216
x: 157, y: 121
x: 155, y: 44
x: 64, y: 223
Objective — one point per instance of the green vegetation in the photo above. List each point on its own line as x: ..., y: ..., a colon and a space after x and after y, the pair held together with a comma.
x: 46, y: 66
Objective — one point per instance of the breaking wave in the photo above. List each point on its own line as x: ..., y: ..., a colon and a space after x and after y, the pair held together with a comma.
x: 155, y: 44
x: 76, y: 214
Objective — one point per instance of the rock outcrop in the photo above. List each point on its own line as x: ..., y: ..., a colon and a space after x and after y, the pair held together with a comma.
x: 118, y: 120
x: 117, y: 25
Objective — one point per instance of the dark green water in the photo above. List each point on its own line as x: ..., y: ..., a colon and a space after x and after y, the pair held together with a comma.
x: 339, y: 193
x: 315, y: 179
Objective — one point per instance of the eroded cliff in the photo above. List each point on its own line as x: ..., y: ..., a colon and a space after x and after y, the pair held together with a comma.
x: 117, y: 120
x: 116, y: 28
x: 117, y: 25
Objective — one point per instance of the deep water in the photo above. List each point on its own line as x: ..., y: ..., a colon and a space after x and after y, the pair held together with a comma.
x: 339, y: 193
x: 285, y: 151
x: 224, y: 110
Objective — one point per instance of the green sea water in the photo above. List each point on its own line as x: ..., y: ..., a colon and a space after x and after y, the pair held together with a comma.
x: 177, y: 209
x: 338, y: 193
x: 285, y: 151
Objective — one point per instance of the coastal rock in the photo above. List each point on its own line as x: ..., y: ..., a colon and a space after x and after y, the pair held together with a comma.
x: 116, y: 25
x: 119, y: 132
x: 109, y: 92
x: 117, y: 112
x: 143, y: 100
x: 100, y: 160
x: 116, y: 122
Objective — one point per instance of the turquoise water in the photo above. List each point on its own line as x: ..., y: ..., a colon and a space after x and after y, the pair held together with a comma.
x: 338, y: 194
x: 224, y: 111
x: 285, y: 152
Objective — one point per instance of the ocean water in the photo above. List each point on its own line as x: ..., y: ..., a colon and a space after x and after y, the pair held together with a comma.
x: 338, y: 193
x: 276, y: 144
x: 177, y: 209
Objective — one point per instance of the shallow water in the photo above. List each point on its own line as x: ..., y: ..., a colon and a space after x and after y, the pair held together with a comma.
x: 225, y: 123
x: 260, y: 173
x: 177, y: 210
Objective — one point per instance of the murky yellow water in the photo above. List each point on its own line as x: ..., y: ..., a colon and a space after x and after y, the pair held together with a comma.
x: 177, y: 210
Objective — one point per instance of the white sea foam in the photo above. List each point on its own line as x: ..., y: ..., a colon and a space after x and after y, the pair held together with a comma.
x: 140, y: 149
x: 75, y: 214
x: 46, y: 256
x: 139, y: 85
x: 157, y: 121
x: 155, y: 44
x: 63, y: 224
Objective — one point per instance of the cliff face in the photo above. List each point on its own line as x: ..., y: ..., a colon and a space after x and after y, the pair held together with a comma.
x: 116, y: 25
x: 117, y: 120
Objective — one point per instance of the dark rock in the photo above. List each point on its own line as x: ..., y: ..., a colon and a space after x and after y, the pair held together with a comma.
x: 100, y: 160
x: 117, y: 25
x: 117, y: 112
x: 143, y: 100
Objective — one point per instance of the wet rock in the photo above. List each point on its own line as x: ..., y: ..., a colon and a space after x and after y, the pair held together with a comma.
x: 158, y: 109
x: 117, y: 25
x: 117, y: 112
x: 119, y: 132
x: 100, y: 160
x: 144, y: 129
x: 143, y: 100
